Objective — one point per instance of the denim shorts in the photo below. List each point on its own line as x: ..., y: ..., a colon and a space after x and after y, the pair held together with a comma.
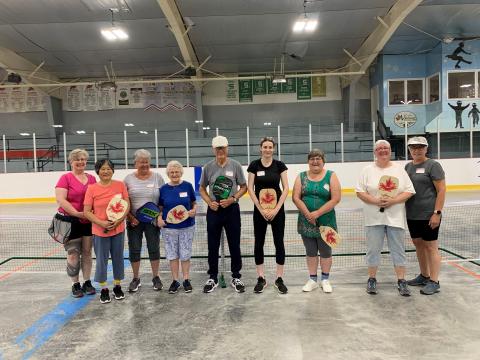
x: 395, y: 241
x: 178, y: 243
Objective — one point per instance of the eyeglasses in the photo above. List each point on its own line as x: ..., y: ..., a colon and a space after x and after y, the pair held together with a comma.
x: 382, y: 148
x: 315, y: 159
x: 416, y: 146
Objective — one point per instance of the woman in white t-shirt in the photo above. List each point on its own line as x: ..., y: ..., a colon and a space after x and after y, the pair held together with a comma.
x: 143, y: 186
x: 384, y: 215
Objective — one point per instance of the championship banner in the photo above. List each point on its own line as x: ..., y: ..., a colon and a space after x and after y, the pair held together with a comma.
x: 319, y: 86
x: 304, y: 88
x: 260, y: 86
x: 231, y: 90
x: 245, y: 90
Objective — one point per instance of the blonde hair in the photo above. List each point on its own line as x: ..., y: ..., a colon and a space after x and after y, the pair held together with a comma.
x: 174, y: 164
x: 75, y: 154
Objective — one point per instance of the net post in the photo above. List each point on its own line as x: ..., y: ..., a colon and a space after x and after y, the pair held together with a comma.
x: 187, y: 147
x: 4, y: 154
x: 471, y: 136
x: 216, y: 131
x: 34, y: 153
x: 309, y: 137
x: 125, y: 146
x: 278, y: 146
x: 95, y: 146
x: 406, y: 138
x: 248, y: 144
x: 373, y: 139
x: 156, y: 149
x: 64, y: 151
x: 341, y: 142
x: 438, y: 138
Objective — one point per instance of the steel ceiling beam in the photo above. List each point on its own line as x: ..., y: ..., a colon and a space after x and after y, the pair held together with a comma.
x: 180, y: 31
x: 31, y: 74
x: 377, y: 39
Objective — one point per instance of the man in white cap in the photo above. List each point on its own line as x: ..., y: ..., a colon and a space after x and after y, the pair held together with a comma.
x: 226, y: 184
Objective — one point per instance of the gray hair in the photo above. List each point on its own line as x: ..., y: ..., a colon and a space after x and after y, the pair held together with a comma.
x: 381, y: 142
x: 174, y: 164
x: 142, y: 154
x: 75, y: 154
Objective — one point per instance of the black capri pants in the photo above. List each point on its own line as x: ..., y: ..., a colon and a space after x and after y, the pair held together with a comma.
x: 278, y: 230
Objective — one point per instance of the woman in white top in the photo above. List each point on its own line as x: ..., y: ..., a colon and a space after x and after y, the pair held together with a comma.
x: 384, y: 215
x: 143, y: 186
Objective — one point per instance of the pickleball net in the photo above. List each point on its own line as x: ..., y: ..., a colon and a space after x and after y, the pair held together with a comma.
x: 26, y: 245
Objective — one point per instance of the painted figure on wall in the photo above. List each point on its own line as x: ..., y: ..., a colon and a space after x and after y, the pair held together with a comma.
x: 458, y: 113
x: 474, y: 114
x: 457, y: 57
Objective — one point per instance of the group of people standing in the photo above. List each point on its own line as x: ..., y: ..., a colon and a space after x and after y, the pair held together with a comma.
x: 316, y: 192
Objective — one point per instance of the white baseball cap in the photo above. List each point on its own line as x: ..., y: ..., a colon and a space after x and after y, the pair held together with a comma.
x: 219, y: 141
x: 417, y: 140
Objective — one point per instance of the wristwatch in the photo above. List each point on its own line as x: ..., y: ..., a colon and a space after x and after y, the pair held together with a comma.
x: 438, y: 212
x: 235, y: 200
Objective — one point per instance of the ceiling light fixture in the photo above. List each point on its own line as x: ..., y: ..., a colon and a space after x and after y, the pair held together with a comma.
x: 129, y: 124
x: 81, y: 132
x: 25, y: 134
x: 57, y: 126
x: 114, y: 33
x: 143, y: 132
x: 304, y: 24
x: 465, y: 85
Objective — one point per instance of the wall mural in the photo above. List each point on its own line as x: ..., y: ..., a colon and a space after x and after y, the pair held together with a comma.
x: 455, y: 56
x: 458, y: 113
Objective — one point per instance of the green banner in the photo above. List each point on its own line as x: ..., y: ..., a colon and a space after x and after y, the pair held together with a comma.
x: 245, y: 90
x: 290, y: 87
x: 274, y: 88
x: 304, y: 88
x: 319, y: 86
x: 260, y: 87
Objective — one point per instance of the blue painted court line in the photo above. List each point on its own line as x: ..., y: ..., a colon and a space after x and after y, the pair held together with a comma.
x: 47, y: 326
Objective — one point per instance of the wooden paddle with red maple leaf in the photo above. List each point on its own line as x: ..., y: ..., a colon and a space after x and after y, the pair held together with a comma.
x: 388, y: 187
x: 267, y: 198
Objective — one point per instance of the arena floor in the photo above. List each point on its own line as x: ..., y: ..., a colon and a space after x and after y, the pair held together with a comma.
x: 40, y: 320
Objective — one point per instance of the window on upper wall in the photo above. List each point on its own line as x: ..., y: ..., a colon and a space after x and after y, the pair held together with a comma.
x: 461, y: 85
x: 396, y: 92
x: 405, y: 92
x: 433, y: 88
x: 414, y: 91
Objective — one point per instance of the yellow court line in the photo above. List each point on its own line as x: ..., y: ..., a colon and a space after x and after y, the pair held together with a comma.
x: 344, y: 191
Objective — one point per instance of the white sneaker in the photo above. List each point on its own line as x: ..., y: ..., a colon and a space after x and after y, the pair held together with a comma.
x: 310, y: 285
x: 326, y: 287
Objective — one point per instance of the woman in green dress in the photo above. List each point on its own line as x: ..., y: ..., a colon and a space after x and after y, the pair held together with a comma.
x: 315, y: 193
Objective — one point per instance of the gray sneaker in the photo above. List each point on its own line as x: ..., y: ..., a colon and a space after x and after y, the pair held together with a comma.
x: 134, y: 285
x: 372, y: 286
x: 403, y: 288
x: 420, y: 280
x: 431, y: 288
x: 157, y: 283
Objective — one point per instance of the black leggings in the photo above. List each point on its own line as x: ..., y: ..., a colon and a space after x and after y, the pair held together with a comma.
x: 260, y: 229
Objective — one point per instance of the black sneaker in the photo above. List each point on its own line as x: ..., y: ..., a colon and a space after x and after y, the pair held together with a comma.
x: 88, y: 288
x: 420, y: 280
x: 282, y: 289
x: 77, y: 290
x: 157, y: 283
x: 134, y: 285
x: 174, y: 287
x: 117, y: 290
x: 210, y: 285
x: 431, y: 288
x: 187, y: 286
x: 261, y: 284
x: 237, y: 284
x: 105, y: 296
x: 403, y: 288
x: 372, y: 286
